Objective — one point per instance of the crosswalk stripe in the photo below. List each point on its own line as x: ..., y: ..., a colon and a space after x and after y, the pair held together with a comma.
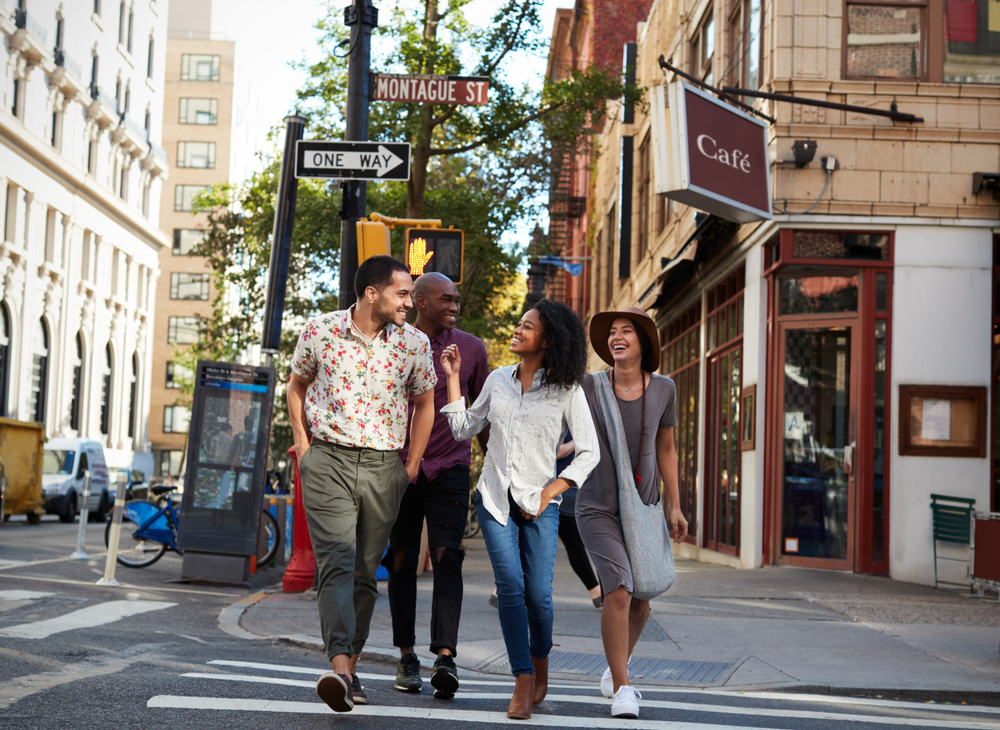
x: 85, y: 618
x: 658, y: 704
x: 22, y: 595
x: 421, y: 713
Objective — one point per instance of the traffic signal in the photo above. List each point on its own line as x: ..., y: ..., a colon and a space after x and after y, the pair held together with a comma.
x: 435, y: 249
x: 373, y: 240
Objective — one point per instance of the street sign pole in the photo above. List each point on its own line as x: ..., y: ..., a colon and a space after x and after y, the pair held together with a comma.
x: 360, y: 16
x: 281, y: 242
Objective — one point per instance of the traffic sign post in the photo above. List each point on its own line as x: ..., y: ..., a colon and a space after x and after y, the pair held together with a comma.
x: 381, y: 161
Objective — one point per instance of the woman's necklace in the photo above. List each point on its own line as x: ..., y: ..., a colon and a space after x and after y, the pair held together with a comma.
x: 642, y: 432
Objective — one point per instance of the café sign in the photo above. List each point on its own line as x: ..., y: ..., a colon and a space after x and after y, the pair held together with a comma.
x: 709, y: 155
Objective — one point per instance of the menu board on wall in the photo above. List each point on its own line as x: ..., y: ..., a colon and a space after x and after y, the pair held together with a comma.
x: 942, y: 421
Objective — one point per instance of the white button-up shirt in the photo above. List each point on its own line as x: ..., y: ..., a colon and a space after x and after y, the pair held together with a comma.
x: 525, y: 432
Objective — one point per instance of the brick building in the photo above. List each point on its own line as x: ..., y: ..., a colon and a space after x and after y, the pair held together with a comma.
x: 835, y: 362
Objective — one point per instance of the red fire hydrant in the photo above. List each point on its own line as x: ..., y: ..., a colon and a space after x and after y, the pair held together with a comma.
x: 302, y: 567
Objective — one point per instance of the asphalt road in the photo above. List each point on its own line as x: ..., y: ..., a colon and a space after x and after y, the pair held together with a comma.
x: 152, y: 654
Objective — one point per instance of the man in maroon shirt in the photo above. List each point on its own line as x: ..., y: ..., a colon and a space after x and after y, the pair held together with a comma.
x: 440, y: 492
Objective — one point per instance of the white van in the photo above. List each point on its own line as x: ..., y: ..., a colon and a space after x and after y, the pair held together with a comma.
x: 63, y: 463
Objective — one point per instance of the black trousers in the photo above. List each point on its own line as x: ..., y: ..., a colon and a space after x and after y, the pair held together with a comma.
x: 576, y: 551
x: 444, y: 501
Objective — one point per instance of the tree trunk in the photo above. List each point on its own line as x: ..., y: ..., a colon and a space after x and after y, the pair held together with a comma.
x: 417, y: 184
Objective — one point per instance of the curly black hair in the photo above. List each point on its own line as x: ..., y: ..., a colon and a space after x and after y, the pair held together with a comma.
x: 565, y: 361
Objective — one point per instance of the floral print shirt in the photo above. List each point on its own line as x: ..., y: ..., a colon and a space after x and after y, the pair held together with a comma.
x: 360, y: 386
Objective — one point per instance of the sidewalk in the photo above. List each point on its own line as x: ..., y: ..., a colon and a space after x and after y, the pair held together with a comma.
x: 721, y: 628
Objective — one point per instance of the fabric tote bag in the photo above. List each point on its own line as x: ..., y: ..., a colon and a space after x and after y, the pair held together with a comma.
x: 647, y: 540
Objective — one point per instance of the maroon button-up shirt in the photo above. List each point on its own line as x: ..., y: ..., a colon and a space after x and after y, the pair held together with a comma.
x: 443, y: 451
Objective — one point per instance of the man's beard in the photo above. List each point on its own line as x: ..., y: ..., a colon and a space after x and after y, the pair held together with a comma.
x: 384, y: 314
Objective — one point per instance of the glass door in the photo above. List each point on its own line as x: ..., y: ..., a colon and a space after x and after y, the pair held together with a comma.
x: 817, y: 454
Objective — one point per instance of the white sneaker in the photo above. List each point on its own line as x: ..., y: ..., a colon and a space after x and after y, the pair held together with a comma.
x: 607, y: 685
x: 626, y: 703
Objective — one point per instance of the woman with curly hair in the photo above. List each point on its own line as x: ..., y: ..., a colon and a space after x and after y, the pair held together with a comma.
x: 528, y: 408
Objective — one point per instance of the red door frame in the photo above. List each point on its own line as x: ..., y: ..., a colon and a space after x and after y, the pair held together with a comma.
x: 710, y: 523
x: 778, y: 256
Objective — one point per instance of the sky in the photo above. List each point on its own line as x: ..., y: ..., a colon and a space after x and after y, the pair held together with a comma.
x: 268, y: 42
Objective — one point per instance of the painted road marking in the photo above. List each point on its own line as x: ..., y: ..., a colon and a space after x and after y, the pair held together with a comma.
x: 22, y: 595
x: 658, y: 704
x: 496, y: 718
x: 593, y: 684
x: 85, y: 618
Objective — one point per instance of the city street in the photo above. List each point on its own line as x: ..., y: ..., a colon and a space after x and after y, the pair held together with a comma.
x: 157, y: 652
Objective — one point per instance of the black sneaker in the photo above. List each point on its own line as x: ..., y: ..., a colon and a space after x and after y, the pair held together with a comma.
x: 357, y: 691
x: 408, y: 674
x: 335, y: 691
x: 444, y: 678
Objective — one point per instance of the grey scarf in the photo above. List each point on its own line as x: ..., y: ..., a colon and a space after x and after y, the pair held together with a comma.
x: 647, y: 541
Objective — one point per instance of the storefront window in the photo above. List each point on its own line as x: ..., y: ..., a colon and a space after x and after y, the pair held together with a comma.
x: 972, y: 41
x: 680, y: 362
x: 819, y: 294
x: 878, y: 482
x: 831, y: 245
x: 724, y: 385
x: 996, y: 373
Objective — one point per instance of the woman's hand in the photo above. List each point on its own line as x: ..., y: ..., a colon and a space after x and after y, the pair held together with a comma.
x: 676, y: 524
x: 451, y: 360
x: 548, y: 494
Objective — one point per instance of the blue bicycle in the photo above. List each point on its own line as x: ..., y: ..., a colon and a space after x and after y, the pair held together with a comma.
x: 149, y: 529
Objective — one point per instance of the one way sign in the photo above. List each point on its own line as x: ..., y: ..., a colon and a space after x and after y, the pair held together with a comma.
x: 353, y: 160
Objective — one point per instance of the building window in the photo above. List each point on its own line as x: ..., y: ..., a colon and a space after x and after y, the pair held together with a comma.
x: 177, y: 374
x: 39, y: 373
x: 92, y: 157
x: 183, y: 330
x: 106, y: 376
x: 176, y: 419
x: 133, y: 385
x: 4, y: 358
x: 642, y: 234
x: 703, y: 47
x: 724, y: 382
x: 123, y: 184
x: 185, y: 239
x: 196, y: 154
x: 170, y: 463
x: 16, y: 97
x: 95, y: 63
x: 199, y: 111
x: 97, y: 7
x: 56, y: 129
x: 971, y: 47
x: 121, y: 23
x: 195, y: 67
x: 131, y: 23
x: 681, y: 354
x: 744, y: 43
x: 149, y: 59
x: 59, y: 33
x: 184, y: 196
x: 610, y: 226
x: 75, y: 405
x: 884, y: 40
x: 189, y: 286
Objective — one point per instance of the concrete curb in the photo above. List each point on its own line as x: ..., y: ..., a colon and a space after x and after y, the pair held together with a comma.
x: 229, y: 617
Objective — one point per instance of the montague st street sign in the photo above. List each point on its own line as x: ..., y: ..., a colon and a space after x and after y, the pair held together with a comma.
x: 353, y: 160
x: 434, y: 89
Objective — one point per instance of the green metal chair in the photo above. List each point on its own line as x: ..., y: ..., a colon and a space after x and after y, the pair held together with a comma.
x: 952, y: 523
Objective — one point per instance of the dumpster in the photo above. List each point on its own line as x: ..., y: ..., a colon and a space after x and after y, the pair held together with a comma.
x: 21, y: 454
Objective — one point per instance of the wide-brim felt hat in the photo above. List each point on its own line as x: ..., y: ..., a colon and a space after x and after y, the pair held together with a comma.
x: 600, y: 328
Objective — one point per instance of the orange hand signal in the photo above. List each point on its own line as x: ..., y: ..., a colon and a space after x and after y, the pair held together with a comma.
x: 419, y: 256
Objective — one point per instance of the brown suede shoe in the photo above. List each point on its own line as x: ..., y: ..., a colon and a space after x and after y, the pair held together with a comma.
x: 541, y: 680
x: 335, y: 691
x: 520, y: 703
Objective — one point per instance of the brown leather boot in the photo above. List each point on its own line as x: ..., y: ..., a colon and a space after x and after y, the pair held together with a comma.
x: 520, y: 703
x: 541, y: 680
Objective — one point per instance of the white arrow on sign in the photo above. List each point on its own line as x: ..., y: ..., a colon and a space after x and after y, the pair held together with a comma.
x: 382, y: 161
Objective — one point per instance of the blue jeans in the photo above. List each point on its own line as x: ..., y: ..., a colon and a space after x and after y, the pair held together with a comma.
x: 523, y: 554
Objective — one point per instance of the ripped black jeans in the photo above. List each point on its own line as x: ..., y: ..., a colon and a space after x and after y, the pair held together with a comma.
x: 444, y: 501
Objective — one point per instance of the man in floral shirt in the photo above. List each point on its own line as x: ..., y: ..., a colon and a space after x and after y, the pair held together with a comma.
x: 352, y: 375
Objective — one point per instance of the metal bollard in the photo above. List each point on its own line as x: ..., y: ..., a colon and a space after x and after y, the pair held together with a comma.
x: 114, y: 536
x: 81, y: 534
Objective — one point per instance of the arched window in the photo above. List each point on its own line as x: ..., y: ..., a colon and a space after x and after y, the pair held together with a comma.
x: 4, y: 358
x: 106, y: 392
x: 77, y: 402
x: 133, y: 385
x: 39, y: 373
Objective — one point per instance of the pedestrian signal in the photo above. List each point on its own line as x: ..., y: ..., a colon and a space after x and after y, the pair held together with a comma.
x: 435, y: 249
x: 373, y: 240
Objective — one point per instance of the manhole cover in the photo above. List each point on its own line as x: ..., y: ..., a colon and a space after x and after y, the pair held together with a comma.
x: 671, y: 670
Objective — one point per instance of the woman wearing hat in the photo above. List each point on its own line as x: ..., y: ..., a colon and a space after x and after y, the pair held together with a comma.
x: 629, y: 343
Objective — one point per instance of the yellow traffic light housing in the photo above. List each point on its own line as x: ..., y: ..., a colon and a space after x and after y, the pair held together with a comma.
x: 373, y: 240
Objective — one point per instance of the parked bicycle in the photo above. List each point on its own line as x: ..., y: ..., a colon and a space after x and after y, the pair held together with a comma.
x: 150, y: 529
